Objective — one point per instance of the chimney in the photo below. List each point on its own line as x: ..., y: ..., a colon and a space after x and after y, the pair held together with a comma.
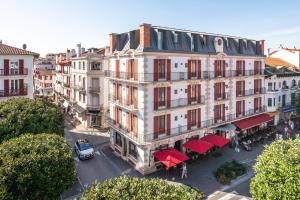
x: 112, y: 42
x: 269, y: 50
x: 78, y: 50
x: 24, y: 46
x: 262, y: 46
x: 145, y: 35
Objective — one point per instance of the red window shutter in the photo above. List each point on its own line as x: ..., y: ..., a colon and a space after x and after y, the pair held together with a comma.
x: 189, y: 69
x: 215, y: 90
x: 237, y: 108
x: 189, y: 94
x: 6, y: 67
x: 117, y: 68
x: 189, y: 120
x: 155, y: 69
x: 21, y: 66
x: 199, y: 93
x: 244, y: 67
x: 223, y: 67
x: 6, y: 87
x: 237, y: 88
x: 199, y: 118
x: 223, y: 90
x: 255, y: 86
x: 168, y: 69
x: 199, y: 69
x: 223, y: 113
x: 168, y: 97
x: 155, y: 98
x: 168, y: 131
x: 216, y: 113
x: 21, y: 83
x: 255, y: 104
x: 243, y: 107
x: 115, y: 115
x: 155, y: 127
x: 215, y: 68
x: 255, y: 67
x: 244, y: 88
x: 128, y: 69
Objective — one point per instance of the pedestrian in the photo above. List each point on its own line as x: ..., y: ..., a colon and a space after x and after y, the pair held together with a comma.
x: 237, y: 149
x: 184, y: 171
x: 286, y: 131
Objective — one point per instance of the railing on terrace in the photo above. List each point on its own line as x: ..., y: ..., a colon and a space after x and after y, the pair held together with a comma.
x: 144, y: 138
x: 13, y: 92
x: 251, y: 92
x: 13, y: 72
x: 176, y: 76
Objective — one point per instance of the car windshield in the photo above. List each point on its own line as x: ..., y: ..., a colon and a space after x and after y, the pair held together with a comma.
x: 84, y: 146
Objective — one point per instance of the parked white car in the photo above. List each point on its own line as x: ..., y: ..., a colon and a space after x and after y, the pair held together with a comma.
x: 84, y: 149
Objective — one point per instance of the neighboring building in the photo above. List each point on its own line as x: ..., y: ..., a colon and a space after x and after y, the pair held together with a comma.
x: 44, y: 77
x: 16, y: 72
x: 169, y: 85
x: 291, y: 55
x: 59, y: 91
x: 282, y: 82
x: 89, y: 87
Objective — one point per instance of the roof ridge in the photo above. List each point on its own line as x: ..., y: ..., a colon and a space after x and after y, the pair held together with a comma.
x: 7, y: 49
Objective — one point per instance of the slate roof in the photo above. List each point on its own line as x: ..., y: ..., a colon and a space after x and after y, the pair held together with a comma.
x: 9, y: 50
x: 204, y: 43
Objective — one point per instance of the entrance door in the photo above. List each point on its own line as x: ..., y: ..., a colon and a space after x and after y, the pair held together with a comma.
x: 177, y: 145
x: 283, y: 100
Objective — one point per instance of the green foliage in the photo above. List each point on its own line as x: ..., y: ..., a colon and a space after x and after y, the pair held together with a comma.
x: 278, y: 172
x: 35, y: 167
x: 22, y: 115
x: 229, y: 171
x: 140, y: 188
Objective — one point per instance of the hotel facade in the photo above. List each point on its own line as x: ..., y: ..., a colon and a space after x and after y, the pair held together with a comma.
x: 169, y: 85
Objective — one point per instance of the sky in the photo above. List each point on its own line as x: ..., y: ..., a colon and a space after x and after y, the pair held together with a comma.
x: 51, y: 26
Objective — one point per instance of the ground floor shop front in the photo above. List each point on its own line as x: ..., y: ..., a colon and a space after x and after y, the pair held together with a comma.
x: 141, y: 155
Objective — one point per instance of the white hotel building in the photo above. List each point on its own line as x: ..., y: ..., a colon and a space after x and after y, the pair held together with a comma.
x: 16, y: 72
x: 169, y: 85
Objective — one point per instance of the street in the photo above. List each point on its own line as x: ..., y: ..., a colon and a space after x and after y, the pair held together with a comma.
x: 106, y: 165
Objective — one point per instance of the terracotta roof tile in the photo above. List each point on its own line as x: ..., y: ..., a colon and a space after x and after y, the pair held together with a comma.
x: 9, y: 50
x: 274, y: 62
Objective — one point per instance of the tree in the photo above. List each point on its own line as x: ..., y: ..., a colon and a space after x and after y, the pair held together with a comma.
x: 278, y: 172
x: 21, y: 115
x: 125, y: 187
x: 35, y: 167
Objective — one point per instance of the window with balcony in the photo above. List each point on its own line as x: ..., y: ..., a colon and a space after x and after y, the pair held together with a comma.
x: 240, y: 108
x: 240, y: 68
x: 257, y: 104
x: 240, y: 88
x: 161, y: 69
x: 194, y: 69
x: 193, y: 93
x: 219, y: 68
x: 193, y: 117
x: 161, y: 97
x: 219, y: 113
x: 257, y: 86
x: 219, y: 91
x: 270, y: 86
x: 161, y: 124
x: 257, y: 67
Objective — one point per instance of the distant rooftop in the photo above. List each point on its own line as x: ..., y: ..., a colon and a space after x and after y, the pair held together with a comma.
x: 9, y: 50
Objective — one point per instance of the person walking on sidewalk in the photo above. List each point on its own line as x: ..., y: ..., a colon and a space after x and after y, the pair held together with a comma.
x: 184, y: 171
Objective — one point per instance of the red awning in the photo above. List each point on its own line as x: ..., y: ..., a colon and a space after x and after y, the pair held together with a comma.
x: 252, y: 121
x: 216, y: 140
x: 170, y: 157
x: 198, y: 146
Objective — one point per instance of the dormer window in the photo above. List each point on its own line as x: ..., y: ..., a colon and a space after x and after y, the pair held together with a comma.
x: 159, y: 39
x: 192, y: 43
x: 175, y: 37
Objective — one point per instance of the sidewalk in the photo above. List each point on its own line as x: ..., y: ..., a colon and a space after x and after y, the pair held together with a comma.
x: 201, y: 171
